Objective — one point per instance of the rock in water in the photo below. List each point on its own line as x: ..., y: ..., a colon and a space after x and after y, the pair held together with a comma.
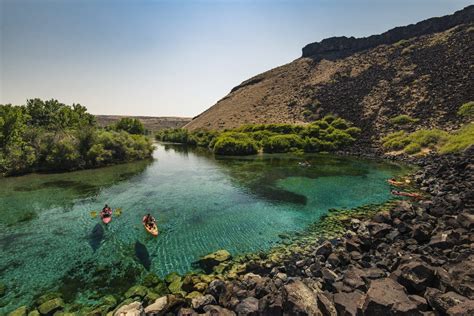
x: 142, y: 255
x: 96, y: 237
x: 207, y: 263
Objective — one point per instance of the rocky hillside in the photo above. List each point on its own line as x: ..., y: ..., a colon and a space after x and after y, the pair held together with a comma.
x: 423, y: 70
x: 151, y: 123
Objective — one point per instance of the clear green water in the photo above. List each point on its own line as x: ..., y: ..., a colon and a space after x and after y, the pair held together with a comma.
x: 49, y: 241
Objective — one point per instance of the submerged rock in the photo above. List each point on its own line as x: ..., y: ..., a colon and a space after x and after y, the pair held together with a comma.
x: 207, y: 263
x: 136, y: 291
x: 21, y: 311
x: 96, y: 237
x: 141, y: 253
x: 49, y: 307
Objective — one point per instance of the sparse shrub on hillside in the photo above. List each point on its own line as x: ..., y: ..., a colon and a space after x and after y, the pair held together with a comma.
x: 403, y: 120
x: 401, y: 42
x: 434, y: 139
x: 460, y: 140
x: 467, y: 110
x: 282, y: 143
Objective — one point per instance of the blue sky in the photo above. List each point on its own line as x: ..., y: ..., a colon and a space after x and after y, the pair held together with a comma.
x: 172, y: 58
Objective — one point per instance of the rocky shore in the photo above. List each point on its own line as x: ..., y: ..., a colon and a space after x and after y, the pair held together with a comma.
x: 407, y: 257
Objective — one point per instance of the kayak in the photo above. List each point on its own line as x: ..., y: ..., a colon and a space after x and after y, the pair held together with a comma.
x: 398, y: 183
x: 395, y: 183
x: 152, y: 230
x: 408, y: 194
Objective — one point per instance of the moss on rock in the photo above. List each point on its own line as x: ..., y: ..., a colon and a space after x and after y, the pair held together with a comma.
x: 49, y: 307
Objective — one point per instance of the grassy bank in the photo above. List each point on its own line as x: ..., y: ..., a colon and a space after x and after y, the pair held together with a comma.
x: 328, y: 134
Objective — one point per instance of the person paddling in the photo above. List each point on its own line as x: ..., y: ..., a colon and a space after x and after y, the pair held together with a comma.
x: 106, y: 211
x: 149, y: 220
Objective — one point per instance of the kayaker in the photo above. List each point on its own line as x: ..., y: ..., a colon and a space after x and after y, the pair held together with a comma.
x: 106, y: 211
x: 149, y: 220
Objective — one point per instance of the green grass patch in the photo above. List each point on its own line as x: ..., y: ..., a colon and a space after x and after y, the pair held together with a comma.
x: 467, y: 110
x: 432, y: 139
x: 403, y: 120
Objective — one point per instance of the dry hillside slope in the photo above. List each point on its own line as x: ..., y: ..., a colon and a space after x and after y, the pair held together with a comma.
x: 427, y: 77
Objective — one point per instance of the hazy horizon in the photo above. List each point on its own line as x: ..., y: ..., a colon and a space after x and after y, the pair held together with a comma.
x: 171, y: 58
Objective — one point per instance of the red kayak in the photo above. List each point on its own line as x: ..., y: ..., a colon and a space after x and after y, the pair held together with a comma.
x: 106, y: 216
x: 407, y: 194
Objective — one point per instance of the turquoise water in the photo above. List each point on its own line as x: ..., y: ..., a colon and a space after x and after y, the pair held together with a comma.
x: 50, y: 241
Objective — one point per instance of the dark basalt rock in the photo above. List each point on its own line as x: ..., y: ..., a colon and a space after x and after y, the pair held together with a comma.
x: 416, y: 276
x: 340, y: 47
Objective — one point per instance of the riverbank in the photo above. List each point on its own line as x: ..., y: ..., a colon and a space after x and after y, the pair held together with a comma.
x: 414, y: 259
x: 404, y: 257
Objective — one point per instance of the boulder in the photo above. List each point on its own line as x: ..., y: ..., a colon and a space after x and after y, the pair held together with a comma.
x: 216, y: 288
x: 421, y: 233
x: 34, y: 313
x: 385, y: 297
x: 136, y: 291
x: 353, y: 278
x: 49, y: 307
x: 464, y: 308
x: 466, y: 220
x: 248, y: 306
x: 347, y: 304
x: 416, y: 276
x: 325, y: 305
x: 207, y: 263
x: 20, y: 311
x: 198, y: 303
x: 442, y: 302
x: 186, y: 312
x: 324, y: 250
x: 300, y: 299
x: 217, y: 310
x: 132, y: 309
x: 164, y: 304
x: 173, y: 276
x: 379, y: 230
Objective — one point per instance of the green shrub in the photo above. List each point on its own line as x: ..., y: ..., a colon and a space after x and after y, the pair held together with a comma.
x: 460, y: 140
x: 130, y: 125
x: 339, y: 138
x: 173, y: 135
x: 313, y: 145
x: 51, y: 136
x: 231, y: 146
x: 412, y: 148
x: 403, y: 120
x: 467, y: 110
x: 282, y: 143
